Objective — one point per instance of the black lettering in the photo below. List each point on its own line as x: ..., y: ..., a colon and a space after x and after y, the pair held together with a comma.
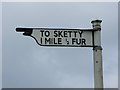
x: 67, y: 41
x: 54, y: 41
x: 42, y: 33
x: 60, y: 33
x: 78, y: 41
x: 83, y: 42
x: 75, y: 33
x: 47, y: 40
x: 59, y: 40
x: 55, y: 34
x: 47, y: 33
x: 73, y: 40
x: 41, y: 40
x: 80, y: 33
x: 69, y: 33
x: 65, y: 34
x: 51, y: 40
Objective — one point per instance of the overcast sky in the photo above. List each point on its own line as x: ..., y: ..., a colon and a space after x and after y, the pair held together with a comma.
x: 28, y: 65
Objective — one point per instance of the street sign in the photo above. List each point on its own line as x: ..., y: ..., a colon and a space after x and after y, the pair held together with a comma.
x: 60, y: 37
x: 73, y: 38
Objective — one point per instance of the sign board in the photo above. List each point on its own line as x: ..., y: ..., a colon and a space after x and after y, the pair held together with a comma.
x: 63, y: 37
x: 60, y: 37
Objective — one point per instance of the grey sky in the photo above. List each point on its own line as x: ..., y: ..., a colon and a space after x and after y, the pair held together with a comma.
x: 27, y: 65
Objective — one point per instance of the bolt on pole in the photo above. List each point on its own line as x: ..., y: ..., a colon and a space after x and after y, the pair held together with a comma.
x: 97, y: 56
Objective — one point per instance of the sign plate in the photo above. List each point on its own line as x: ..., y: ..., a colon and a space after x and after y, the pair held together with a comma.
x: 63, y: 37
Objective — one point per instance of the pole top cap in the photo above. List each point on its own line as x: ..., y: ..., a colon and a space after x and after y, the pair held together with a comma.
x: 98, y: 21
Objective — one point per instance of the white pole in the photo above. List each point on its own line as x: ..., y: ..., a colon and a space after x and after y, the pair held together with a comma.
x: 97, y: 56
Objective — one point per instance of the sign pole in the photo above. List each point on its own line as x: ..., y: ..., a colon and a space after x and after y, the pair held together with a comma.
x: 97, y: 56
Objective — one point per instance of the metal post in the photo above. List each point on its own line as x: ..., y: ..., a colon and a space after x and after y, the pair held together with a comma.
x: 97, y: 56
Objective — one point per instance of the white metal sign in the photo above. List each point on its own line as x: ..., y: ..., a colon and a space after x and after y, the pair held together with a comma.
x: 62, y: 37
